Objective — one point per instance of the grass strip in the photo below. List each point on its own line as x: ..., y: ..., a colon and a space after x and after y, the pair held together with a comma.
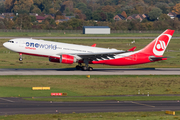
x: 96, y: 85
x: 159, y: 115
x: 112, y: 98
x: 61, y: 34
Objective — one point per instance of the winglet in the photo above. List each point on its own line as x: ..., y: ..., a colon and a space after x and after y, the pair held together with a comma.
x: 132, y: 49
x: 94, y: 45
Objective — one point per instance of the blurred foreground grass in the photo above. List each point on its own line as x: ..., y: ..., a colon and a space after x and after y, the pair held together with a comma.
x: 160, y: 115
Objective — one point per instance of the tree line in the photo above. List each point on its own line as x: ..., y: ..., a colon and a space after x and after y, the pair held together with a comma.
x: 90, y: 13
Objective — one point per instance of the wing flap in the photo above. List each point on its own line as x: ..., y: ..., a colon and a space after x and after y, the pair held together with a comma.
x: 97, y: 56
x: 100, y: 53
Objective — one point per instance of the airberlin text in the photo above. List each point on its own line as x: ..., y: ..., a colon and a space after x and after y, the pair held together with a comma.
x: 37, y: 45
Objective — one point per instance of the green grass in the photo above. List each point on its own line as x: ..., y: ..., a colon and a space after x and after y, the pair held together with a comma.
x: 160, y: 115
x: 111, y: 98
x: 28, y: 92
x: 97, y: 85
x: 9, y: 59
x: 68, y: 34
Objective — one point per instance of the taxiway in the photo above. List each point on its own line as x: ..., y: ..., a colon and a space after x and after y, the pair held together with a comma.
x: 10, y: 106
x: 96, y: 71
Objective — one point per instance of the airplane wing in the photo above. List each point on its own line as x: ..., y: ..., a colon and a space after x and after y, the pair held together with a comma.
x: 100, y: 55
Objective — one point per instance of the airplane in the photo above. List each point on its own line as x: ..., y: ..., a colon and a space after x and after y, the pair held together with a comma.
x: 72, y: 53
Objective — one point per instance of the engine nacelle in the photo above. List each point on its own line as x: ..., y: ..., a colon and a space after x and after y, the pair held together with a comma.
x: 67, y: 59
x: 54, y: 59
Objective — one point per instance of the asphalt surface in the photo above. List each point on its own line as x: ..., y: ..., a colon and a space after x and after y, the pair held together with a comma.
x: 86, y: 37
x: 10, y: 106
x: 97, y: 71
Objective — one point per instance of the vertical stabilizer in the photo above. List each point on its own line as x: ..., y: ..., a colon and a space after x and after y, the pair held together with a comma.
x: 159, y: 45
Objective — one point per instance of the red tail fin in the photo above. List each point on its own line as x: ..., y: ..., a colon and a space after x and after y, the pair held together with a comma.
x: 158, y: 46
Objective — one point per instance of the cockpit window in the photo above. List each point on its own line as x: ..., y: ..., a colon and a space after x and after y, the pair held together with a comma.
x: 11, y: 41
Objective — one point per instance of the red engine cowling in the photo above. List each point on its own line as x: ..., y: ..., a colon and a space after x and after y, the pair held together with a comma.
x: 54, y: 59
x: 67, y: 59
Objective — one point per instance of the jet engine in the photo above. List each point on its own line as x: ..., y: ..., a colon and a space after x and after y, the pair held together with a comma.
x: 67, y: 59
x: 54, y: 59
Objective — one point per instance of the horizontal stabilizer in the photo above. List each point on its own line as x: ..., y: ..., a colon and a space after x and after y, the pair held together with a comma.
x: 153, y: 58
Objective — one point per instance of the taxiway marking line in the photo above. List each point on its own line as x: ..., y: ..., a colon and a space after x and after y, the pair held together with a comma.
x: 6, y: 100
x: 142, y: 104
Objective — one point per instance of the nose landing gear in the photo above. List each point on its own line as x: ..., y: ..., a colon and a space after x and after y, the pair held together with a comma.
x: 20, y: 58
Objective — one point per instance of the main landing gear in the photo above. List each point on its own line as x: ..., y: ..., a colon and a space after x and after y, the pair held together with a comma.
x: 84, y: 68
x: 20, y: 58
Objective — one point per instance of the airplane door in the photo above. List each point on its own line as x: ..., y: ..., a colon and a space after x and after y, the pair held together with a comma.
x: 22, y: 44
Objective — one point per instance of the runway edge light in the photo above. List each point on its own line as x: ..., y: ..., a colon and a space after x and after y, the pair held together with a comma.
x: 88, y: 76
x: 170, y: 112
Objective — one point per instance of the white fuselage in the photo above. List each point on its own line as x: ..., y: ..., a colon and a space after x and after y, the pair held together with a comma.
x: 49, y: 48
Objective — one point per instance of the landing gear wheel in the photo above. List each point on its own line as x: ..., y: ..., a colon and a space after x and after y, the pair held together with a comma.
x: 90, y: 68
x: 84, y: 68
x: 20, y: 59
x: 78, y: 67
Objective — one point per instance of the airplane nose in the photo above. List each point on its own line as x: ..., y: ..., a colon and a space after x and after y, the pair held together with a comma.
x: 5, y: 44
